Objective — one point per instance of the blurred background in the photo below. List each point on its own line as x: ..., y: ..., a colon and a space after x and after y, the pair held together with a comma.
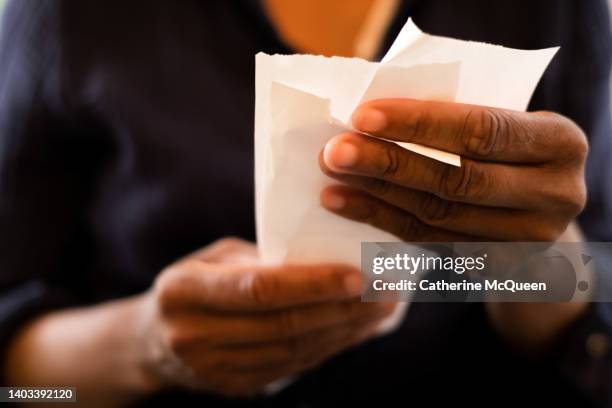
x: 3, y: 2
x: 148, y: 194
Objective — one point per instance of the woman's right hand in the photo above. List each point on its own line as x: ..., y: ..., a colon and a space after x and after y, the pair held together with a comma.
x: 219, y: 321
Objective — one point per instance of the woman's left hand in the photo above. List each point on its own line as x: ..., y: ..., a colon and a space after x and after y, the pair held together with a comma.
x: 521, y: 176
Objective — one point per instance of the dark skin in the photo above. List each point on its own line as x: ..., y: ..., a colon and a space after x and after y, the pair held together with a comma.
x: 217, y: 321
x: 521, y: 179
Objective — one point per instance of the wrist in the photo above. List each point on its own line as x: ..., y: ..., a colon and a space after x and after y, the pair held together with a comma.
x: 139, y: 354
x: 97, y: 349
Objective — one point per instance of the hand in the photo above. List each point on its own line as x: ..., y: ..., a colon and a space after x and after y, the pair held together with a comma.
x: 215, y: 321
x: 521, y: 176
x: 220, y: 322
x: 521, y: 179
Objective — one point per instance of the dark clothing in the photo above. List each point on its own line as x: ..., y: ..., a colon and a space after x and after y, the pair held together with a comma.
x: 126, y: 141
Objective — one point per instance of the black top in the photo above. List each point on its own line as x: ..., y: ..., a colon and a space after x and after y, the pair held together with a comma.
x: 126, y: 141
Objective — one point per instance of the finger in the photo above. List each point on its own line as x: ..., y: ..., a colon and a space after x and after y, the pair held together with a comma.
x: 481, y: 183
x: 254, y: 288
x: 362, y: 207
x: 263, y: 364
x: 486, y: 223
x: 472, y: 131
x: 215, y: 330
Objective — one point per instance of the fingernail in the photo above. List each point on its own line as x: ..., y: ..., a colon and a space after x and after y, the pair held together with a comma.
x: 369, y: 120
x: 352, y: 285
x: 333, y: 201
x: 340, y: 154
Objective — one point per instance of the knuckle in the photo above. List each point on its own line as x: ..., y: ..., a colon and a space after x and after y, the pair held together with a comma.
x: 165, y: 293
x: 582, y: 147
x: 573, y: 204
x: 169, y: 287
x: 176, y: 340
x: 576, y: 203
x: 416, y: 125
x: 259, y: 288
x: 581, y: 144
x: 392, y: 162
x: 568, y: 199
x: 580, y: 198
x: 483, y: 132
x: 411, y: 229
x: 436, y: 211
x: 577, y: 141
x: 566, y: 131
x: 469, y: 181
x: 230, y: 244
x: 377, y: 187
